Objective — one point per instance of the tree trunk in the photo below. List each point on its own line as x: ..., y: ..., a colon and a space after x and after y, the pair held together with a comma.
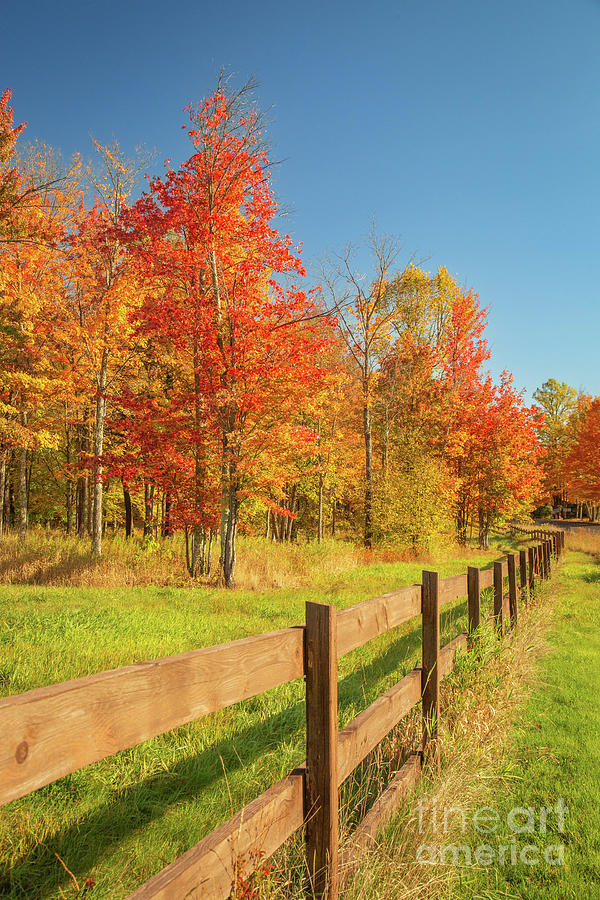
x: 128, y: 512
x: 292, y: 508
x: 484, y: 529
x: 228, y: 551
x: 333, y: 516
x: 368, y: 539
x: 167, y: 526
x: 98, y: 450
x: 3, y: 455
x: 320, y: 512
x: 69, y: 485
x: 385, y: 451
x: 23, y: 487
x: 229, y: 504
x: 11, y: 499
x: 148, y: 508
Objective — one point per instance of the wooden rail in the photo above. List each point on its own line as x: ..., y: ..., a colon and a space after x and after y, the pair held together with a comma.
x: 114, y: 710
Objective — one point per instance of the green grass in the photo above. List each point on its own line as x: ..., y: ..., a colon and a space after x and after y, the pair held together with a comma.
x: 555, y: 753
x: 123, y: 819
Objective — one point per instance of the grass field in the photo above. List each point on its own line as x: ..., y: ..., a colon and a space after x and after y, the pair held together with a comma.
x: 519, y: 733
x: 123, y: 819
x: 556, y: 748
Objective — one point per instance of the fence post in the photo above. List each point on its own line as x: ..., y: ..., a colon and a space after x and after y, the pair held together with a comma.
x: 430, y: 671
x: 549, y: 556
x: 498, y: 596
x: 321, y: 801
x: 542, y: 560
x: 512, y: 588
x: 531, y: 558
x: 523, y: 573
x: 474, y: 598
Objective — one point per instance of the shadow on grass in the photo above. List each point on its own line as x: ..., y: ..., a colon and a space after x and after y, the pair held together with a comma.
x: 37, y: 874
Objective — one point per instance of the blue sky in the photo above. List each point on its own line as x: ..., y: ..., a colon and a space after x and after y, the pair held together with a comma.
x: 470, y: 128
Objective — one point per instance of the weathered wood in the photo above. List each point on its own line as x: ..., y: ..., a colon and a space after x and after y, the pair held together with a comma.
x: 321, y: 799
x: 498, y: 595
x: 543, y: 562
x: 208, y: 870
x: 486, y: 578
x: 360, y: 623
x: 452, y: 588
x: 448, y: 653
x: 110, y: 711
x: 365, y: 731
x: 512, y: 588
x: 531, y: 556
x: 474, y: 598
x: 523, y: 574
x: 381, y: 812
x: 430, y: 672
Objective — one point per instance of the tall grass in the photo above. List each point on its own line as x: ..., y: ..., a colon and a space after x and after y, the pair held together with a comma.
x: 583, y: 540
x: 53, y: 559
x: 50, y: 558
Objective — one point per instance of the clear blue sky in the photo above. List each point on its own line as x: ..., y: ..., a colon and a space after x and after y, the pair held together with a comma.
x: 471, y: 128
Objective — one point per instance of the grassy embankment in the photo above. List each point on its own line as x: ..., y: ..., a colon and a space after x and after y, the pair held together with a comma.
x: 522, y: 732
x: 123, y: 819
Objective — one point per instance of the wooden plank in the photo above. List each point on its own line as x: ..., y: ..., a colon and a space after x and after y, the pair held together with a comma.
x: 498, y: 593
x: 360, y: 623
x: 448, y: 653
x: 381, y: 813
x: 512, y: 588
x: 208, y: 870
x: 452, y: 588
x: 486, y: 578
x: 365, y: 731
x: 474, y: 597
x: 321, y: 796
x: 110, y: 711
x: 430, y: 672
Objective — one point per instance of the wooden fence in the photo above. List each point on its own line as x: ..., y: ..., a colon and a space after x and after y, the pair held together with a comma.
x: 114, y: 710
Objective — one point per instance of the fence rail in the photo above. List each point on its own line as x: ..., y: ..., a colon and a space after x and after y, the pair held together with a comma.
x: 114, y: 710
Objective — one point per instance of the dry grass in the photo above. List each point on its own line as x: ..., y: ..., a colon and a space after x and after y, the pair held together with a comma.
x: 53, y: 559
x: 584, y: 540
x: 50, y: 558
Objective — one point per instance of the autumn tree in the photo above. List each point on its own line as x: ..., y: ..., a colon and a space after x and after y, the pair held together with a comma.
x: 558, y: 402
x: 365, y: 307
x: 241, y: 340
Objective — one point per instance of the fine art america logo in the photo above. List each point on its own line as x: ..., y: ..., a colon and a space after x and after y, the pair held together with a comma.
x: 509, y: 847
